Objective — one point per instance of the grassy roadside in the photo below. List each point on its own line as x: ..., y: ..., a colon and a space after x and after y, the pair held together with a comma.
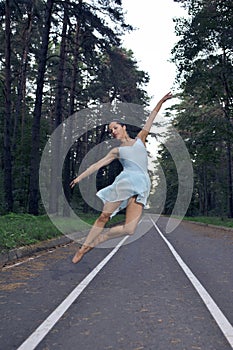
x: 225, y: 222
x: 18, y: 230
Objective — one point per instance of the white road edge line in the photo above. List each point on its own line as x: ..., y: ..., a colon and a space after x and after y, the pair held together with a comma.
x: 35, y: 338
x: 25, y: 261
x: 213, y: 308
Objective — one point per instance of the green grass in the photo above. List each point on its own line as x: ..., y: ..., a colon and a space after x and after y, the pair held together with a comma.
x: 18, y: 230
x: 212, y: 220
x: 23, y: 229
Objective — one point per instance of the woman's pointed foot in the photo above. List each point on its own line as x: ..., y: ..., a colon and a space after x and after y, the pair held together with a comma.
x: 77, y: 257
x: 80, y: 253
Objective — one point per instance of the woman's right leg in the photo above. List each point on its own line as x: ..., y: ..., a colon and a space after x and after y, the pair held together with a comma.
x: 133, y: 215
x: 96, y: 230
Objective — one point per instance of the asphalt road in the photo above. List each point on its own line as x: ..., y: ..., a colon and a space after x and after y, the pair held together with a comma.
x: 140, y: 299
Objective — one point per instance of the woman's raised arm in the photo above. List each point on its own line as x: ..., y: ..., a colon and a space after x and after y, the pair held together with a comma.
x: 146, y: 129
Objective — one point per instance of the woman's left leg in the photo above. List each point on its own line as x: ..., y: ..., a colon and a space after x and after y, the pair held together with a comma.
x: 133, y: 215
x: 96, y: 230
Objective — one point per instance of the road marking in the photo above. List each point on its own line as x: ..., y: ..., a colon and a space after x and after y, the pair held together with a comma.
x: 35, y: 256
x: 213, y: 308
x: 35, y: 338
x: 7, y: 267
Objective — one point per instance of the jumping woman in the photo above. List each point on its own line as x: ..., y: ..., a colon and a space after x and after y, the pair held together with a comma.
x: 131, y: 187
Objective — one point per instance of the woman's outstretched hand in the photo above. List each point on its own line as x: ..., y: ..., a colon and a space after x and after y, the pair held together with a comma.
x: 74, y: 182
x: 166, y: 97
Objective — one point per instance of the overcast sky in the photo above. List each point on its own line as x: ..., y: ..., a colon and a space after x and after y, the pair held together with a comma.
x: 153, y: 40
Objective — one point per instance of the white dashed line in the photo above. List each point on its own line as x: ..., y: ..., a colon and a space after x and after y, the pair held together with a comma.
x: 213, y: 308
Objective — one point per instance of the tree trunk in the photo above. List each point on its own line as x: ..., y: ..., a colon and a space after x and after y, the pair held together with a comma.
x: 230, y: 187
x: 22, y: 77
x: 227, y: 103
x: 7, y: 114
x: 57, y: 147
x: 68, y: 160
x: 20, y: 112
x: 35, y: 154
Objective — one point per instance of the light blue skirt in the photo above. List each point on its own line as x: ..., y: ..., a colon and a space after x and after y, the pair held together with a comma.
x: 125, y: 186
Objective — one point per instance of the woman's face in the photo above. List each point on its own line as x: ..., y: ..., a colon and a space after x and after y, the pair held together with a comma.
x: 117, y: 130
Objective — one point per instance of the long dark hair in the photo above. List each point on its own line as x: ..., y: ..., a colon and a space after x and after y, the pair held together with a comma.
x: 118, y: 122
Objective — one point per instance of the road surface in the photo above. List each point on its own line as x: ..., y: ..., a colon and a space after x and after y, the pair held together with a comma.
x: 161, y: 292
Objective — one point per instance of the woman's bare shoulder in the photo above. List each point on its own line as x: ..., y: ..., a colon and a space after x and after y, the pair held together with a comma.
x: 114, y: 152
x: 142, y: 135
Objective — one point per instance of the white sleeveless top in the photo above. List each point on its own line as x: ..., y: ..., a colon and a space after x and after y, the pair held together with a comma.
x: 133, y: 179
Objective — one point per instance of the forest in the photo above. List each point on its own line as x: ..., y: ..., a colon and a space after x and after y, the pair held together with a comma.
x: 59, y: 57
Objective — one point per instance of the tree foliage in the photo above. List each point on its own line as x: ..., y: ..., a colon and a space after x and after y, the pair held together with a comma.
x: 203, y: 56
x: 58, y: 57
